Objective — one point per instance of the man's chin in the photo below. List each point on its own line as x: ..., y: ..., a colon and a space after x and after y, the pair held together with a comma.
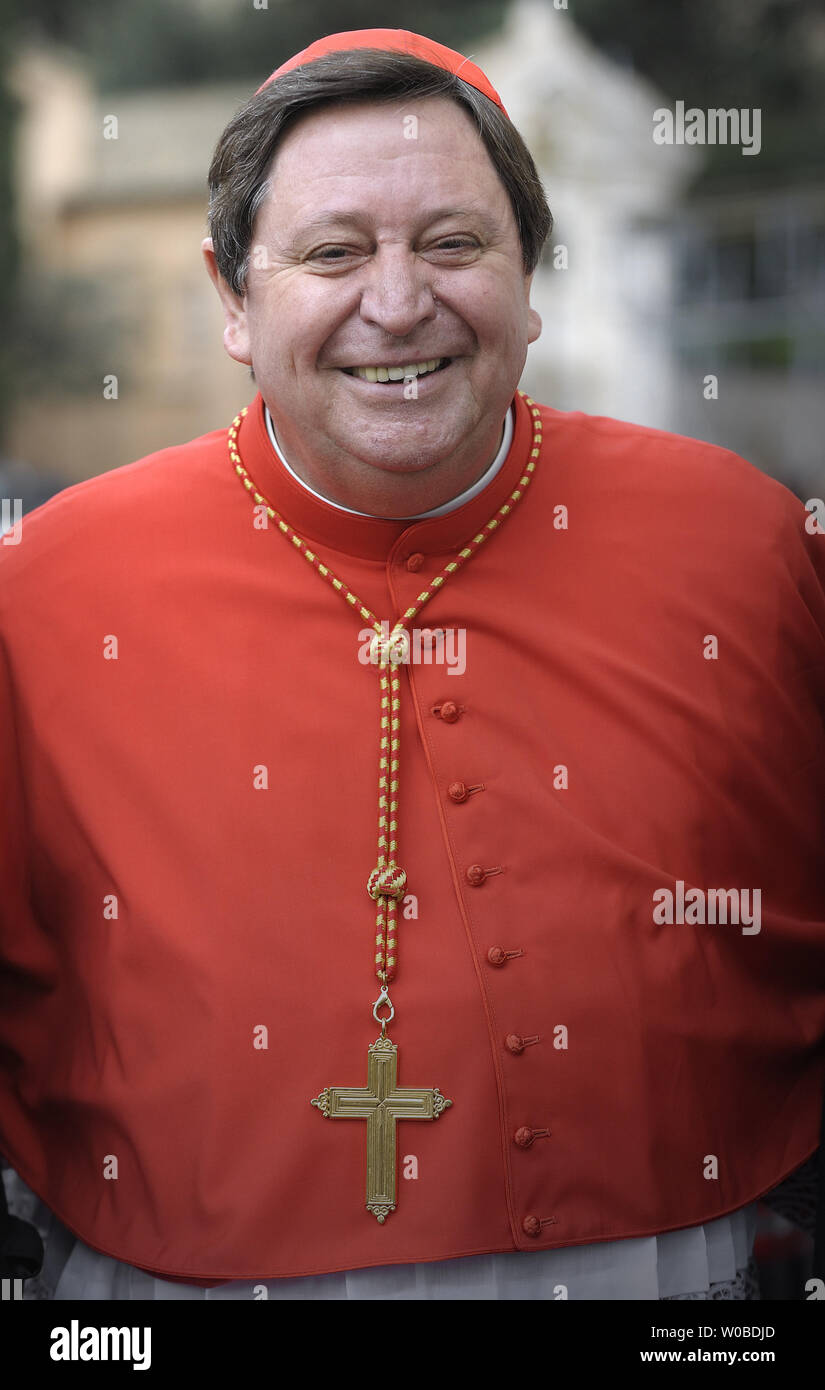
x: 403, y: 436
x: 401, y: 466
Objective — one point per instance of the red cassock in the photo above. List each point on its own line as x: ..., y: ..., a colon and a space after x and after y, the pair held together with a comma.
x: 617, y: 751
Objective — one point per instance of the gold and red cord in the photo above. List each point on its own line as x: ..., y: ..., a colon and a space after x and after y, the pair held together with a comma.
x: 387, y: 882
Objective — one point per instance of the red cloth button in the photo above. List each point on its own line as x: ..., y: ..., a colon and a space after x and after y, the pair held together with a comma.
x: 496, y: 955
x: 531, y: 1226
x: 414, y: 563
x: 514, y: 1043
x: 475, y: 875
x: 457, y: 791
x: 449, y: 712
x: 523, y: 1137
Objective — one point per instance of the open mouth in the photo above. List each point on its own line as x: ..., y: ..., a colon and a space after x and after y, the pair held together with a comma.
x: 389, y: 375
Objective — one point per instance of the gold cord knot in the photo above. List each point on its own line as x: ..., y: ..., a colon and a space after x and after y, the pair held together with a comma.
x: 391, y: 649
x: 388, y: 882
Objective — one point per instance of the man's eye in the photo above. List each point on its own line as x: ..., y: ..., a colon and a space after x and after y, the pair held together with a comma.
x: 331, y: 253
x: 454, y: 243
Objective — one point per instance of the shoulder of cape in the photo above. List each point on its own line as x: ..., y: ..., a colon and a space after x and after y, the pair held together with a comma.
x: 126, y: 503
x: 120, y: 487
x: 623, y: 452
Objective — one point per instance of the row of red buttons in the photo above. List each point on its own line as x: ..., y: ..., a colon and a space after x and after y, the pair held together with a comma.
x: 524, y: 1135
x: 460, y: 792
x: 475, y: 875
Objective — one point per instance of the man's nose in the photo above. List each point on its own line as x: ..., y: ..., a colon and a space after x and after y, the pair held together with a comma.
x: 397, y: 295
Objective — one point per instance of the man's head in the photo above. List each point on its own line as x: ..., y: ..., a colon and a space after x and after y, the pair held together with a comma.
x: 371, y: 209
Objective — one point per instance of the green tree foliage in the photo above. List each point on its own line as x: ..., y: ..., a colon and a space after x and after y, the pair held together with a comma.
x: 163, y: 42
x: 723, y: 53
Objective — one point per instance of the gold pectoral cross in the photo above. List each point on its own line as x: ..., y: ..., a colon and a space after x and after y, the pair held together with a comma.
x: 381, y: 1102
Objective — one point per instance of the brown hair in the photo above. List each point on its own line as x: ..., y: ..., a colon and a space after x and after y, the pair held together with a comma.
x: 243, y: 155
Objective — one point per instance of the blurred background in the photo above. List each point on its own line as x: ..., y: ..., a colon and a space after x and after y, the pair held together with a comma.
x: 668, y: 264
x: 683, y: 286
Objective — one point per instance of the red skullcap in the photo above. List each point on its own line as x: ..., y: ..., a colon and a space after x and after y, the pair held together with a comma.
x: 394, y: 41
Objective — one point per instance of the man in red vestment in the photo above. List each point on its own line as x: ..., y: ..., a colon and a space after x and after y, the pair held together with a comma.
x: 414, y: 793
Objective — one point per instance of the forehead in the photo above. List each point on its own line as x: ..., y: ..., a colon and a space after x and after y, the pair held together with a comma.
x: 392, y: 144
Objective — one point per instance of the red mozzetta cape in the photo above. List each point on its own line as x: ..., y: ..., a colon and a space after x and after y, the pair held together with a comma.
x: 132, y: 780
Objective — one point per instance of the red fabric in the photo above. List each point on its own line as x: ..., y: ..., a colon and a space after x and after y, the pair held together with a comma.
x: 394, y: 40
x: 241, y: 907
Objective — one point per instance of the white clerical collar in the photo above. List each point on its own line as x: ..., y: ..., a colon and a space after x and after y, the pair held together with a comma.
x: 451, y: 506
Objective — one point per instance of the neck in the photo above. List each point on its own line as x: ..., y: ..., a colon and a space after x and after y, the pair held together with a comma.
x: 402, y: 503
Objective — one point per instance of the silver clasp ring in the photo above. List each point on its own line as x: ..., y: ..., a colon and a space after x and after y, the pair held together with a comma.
x: 383, y: 998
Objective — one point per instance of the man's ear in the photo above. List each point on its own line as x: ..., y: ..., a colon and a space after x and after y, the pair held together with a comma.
x: 533, y: 319
x: 236, y: 331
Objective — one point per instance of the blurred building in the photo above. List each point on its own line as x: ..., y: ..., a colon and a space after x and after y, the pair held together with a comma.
x: 750, y: 308
x: 665, y: 288
x: 606, y: 284
x: 644, y: 292
x: 111, y: 229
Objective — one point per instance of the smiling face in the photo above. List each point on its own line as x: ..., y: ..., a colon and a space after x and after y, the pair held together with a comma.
x: 378, y: 251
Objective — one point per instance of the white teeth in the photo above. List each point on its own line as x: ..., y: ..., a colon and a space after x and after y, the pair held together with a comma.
x: 397, y: 373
